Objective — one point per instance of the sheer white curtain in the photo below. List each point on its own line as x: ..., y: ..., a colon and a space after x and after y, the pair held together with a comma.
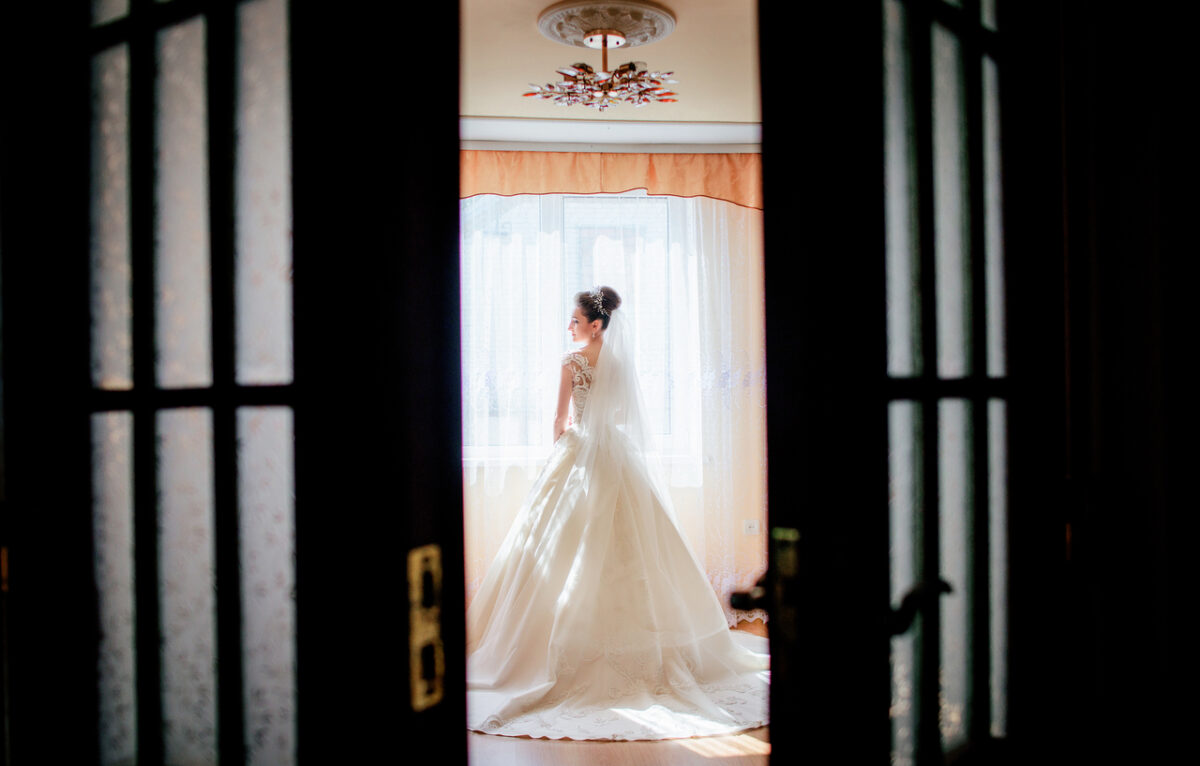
x: 689, y: 272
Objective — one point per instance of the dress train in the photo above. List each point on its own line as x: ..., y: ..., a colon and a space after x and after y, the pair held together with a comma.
x: 595, y: 621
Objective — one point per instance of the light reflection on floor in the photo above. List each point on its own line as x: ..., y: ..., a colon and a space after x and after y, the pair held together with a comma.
x: 726, y: 747
x: 660, y: 720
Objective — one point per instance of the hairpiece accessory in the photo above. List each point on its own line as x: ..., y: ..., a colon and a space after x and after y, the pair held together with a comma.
x: 597, y: 297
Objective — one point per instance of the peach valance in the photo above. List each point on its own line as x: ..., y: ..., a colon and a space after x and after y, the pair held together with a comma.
x: 735, y: 178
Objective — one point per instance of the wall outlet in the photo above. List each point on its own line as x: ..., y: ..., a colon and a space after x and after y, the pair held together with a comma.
x: 750, y: 527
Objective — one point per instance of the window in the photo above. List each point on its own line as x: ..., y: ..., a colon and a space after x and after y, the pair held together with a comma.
x: 689, y: 272
x: 525, y: 258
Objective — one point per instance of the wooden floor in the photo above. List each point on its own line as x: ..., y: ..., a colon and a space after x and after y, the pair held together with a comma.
x: 747, y: 749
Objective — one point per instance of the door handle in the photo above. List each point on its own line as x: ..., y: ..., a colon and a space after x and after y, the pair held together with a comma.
x: 784, y: 541
x: 923, y: 595
x: 780, y: 600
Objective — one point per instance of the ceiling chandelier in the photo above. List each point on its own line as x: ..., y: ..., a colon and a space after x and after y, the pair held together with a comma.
x: 604, y: 26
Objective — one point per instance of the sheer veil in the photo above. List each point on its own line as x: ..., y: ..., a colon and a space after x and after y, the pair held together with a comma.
x: 617, y: 449
x: 615, y: 400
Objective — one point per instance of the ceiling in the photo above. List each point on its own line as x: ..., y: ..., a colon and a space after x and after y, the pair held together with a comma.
x: 712, y: 51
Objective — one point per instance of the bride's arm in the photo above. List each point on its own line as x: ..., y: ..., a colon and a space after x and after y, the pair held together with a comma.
x: 564, y: 402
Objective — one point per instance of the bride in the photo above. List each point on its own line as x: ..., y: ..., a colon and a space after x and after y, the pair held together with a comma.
x: 595, y: 620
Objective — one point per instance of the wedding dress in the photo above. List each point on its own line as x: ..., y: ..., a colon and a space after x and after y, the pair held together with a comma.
x: 595, y: 621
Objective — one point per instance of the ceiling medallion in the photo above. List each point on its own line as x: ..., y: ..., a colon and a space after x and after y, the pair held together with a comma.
x: 605, y: 26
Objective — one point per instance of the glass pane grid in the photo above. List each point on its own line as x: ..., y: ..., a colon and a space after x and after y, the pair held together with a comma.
x: 264, y: 211
x: 905, y: 500
x: 111, y: 300
x: 181, y: 357
x: 993, y: 228
x: 183, y: 332
x: 902, y: 256
x: 998, y: 561
x: 952, y: 223
x: 112, y: 531
x: 104, y: 11
x: 187, y: 585
x: 987, y: 13
x: 954, y: 393
x: 266, y: 505
x: 955, y: 542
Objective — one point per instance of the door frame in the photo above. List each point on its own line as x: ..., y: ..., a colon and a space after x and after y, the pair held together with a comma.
x: 385, y: 213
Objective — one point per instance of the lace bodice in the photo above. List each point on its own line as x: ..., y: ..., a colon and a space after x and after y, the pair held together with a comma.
x: 581, y: 382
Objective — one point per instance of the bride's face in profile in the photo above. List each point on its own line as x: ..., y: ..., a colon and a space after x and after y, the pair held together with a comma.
x: 579, y: 327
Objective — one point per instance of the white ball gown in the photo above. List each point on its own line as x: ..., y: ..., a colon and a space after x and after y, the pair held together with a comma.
x: 595, y: 621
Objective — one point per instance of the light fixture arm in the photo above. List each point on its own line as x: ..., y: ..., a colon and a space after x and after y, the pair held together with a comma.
x: 623, y: 23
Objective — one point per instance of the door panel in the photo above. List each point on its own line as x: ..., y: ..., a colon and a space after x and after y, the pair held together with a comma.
x: 378, y: 448
x: 827, y: 426
x: 946, y: 278
x: 235, y: 422
x: 887, y: 358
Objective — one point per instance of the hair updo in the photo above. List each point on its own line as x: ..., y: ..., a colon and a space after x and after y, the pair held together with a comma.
x: 598, y: 303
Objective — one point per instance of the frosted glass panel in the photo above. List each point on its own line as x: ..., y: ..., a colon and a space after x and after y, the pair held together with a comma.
x: 903, y: 262
x: 987, y: 13
x: 182, y: 277
x: 998, y: 564
x: 951, y: 211
x: 112, y: 531
x: 264, y: 214
x: 904, y: 524
x: 266, y: 502
x: 993, y: 223
x: 112, y: 307
x: 186, y: 585
x: 104, y: 11
x: 955, y: 541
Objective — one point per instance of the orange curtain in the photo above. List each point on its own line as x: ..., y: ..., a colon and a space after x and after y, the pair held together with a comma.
x: 735, y: 178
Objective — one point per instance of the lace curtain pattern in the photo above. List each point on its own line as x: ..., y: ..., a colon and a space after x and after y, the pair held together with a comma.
x: 690, y: 275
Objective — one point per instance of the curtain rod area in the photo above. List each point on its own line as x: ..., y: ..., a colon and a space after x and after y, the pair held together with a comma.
x: 611, y: 136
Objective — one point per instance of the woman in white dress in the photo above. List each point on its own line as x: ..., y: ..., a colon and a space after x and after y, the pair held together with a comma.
x: 595, y: 621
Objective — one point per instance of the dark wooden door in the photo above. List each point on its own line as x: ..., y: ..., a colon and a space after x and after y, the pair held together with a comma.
x: 1034, y: 474
x: 891, y: 375
x: 826, y: 416
x: 233, y: 491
